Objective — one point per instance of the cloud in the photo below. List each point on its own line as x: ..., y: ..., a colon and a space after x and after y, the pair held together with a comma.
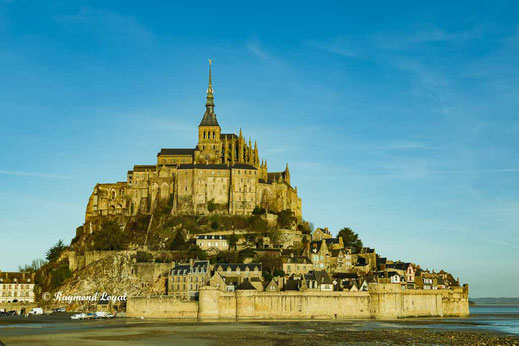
x: 33, y: 174
x: 106, y: 25
x: 254, y: 48
x: 338, y: 46
x: 500, y: 243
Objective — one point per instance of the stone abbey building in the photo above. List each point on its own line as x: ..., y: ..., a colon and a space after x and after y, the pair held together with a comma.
x: 222, y: 172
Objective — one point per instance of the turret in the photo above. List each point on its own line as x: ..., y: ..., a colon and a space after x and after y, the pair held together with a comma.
x: 287, y: 175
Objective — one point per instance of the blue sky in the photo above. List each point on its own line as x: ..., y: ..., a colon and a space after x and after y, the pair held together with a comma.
x: 399, y: 121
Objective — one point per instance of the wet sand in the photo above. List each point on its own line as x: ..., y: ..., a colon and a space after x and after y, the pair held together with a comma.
x: 50, y: 330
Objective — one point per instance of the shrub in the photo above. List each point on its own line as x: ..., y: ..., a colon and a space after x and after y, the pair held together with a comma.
x: 214, y: 225
x: 259, y: 211
x: 143, y: 256
x: 59, y: 275
x: 110, y: 237
x: 211, y: 206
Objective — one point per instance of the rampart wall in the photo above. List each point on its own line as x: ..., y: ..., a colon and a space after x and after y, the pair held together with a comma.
x: 382, y: 301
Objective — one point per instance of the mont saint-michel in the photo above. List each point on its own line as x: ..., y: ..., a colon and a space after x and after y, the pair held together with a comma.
x: 208, y: 233
x: 223, y: 171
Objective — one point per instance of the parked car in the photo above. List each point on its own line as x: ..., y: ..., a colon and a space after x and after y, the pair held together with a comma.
x: 101, y: 314
x: 12, y: 312
x: 81, y: 316
x: 61, y: 310
x: 36, y: 311
x: 109, y: 315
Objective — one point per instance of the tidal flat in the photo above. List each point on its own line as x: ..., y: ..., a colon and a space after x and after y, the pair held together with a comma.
x: 60, y: 330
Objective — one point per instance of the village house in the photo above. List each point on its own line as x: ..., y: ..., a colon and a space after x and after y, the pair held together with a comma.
x: 296, y: 264
x: 16, y: 287
x: 186, y: 279
x: 321, y: 233
x: 233, y: 274
x: 212, y: 242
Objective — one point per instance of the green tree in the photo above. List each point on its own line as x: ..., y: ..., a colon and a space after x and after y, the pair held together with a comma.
x: 211, y: 206
x: 271, y: 262
x: 350, y: 239
x: 232, y: 239
x: 110, y: 237
x: 286, y: 219
x: 227, y: 257
x: 179, y: 242
x: 53, y: 253
x: 196, y: 252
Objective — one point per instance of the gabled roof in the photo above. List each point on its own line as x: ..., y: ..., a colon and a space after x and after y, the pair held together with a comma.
x: 246, y: 285
x: 235, y: 266
x: 322, y: 277
x: 296, y: 259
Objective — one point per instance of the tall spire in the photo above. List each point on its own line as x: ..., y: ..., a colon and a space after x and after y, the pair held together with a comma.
x: 210, y: 99
x: 209, y: 118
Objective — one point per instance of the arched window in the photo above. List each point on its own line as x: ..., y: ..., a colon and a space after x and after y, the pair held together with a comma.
x: 213, y: 134
x: 204, y: 134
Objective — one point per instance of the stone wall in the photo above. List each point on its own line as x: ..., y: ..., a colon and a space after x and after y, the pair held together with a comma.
x: 161, y: 307
x: 382, y: 301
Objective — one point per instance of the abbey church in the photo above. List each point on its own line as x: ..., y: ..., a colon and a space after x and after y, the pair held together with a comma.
x: 222, y: 172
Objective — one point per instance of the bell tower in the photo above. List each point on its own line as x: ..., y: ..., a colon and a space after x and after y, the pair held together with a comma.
x: 209, y: 142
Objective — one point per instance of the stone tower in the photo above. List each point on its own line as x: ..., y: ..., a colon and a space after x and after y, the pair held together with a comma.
x: 209, y: 141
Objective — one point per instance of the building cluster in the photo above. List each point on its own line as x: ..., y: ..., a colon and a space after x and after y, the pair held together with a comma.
x: 16, y: 287
x: 325, y: 264
x: 222, y: 171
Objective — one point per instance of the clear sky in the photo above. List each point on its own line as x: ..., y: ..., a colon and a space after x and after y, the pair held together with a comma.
x: 400, y: 121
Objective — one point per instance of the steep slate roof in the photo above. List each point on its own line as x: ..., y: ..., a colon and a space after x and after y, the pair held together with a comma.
x: 274, y: 176
x: 246, y: 285
x: 16, y: 277
x: 235, y: 266
x: 186, y: 268
x: 243, y: 166
x: 296, y: 259
x: 209, y: 119
x: 228, y: 135
x: 212, y: 166
x: 345, y: 275
x: 322, y: 277
x: 292, y: 285
x: 167, y: 151
x: 211, y: 236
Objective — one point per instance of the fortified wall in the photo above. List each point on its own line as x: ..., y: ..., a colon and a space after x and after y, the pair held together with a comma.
x: 382, y: 301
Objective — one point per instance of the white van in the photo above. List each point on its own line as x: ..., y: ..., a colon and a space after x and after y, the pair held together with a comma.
x: 36, y: 311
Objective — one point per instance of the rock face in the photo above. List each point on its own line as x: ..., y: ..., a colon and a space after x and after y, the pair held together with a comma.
x: 117, y: 275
